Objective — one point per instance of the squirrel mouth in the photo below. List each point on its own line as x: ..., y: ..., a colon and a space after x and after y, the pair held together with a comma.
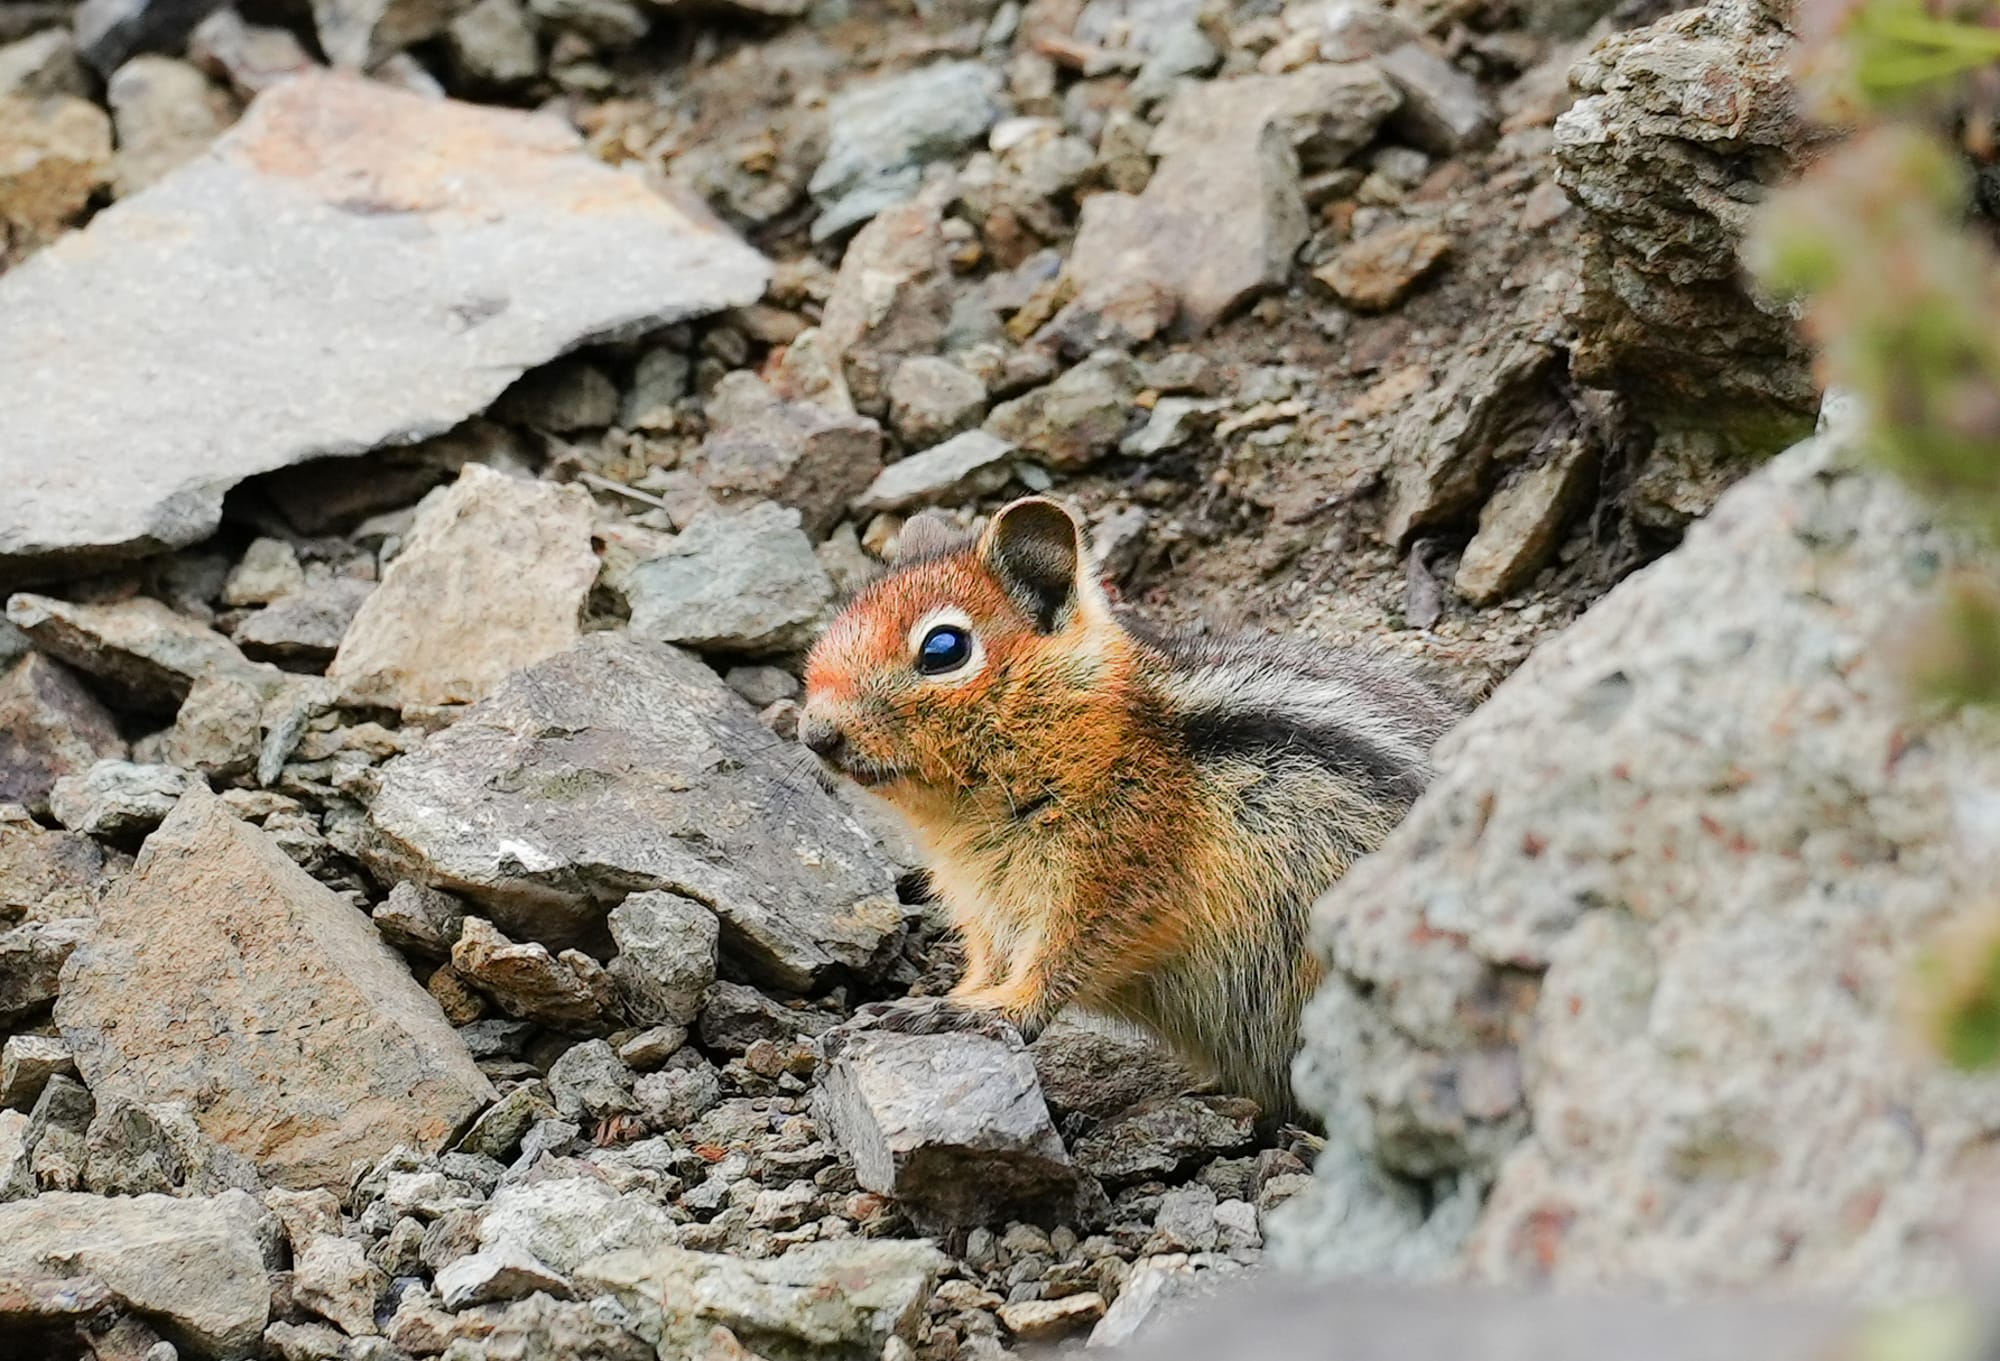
x: 865, y: 772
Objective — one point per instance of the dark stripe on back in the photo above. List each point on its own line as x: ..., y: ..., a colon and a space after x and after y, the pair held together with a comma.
x: 1213, y: 735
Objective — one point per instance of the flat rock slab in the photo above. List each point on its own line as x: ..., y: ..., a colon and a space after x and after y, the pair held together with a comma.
x: 223, y: 975
x: 194, y: 1268
x: 622, y: 765
x: 350, y: 267
x: 493, y: 578
x: 952, y: 1125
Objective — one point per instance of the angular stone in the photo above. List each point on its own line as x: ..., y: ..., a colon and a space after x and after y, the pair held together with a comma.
x: 269, y: 570
x: 796, y: 453
x: 591, y: 1083
x: 891, y: 300
x: 620, y: 766
x: 1159, y: 1137
x: 119, y: 801
x: 420, y: 920
x: 819, y: 1302
x: 953, y: 1125
x: 1522, y: 524
x: 1696, y: 829
x: 31, y: 959
x: 566, y: 396
x: 566, y: 1221
x: 219, y: 730
x: 135, y: 1150
x: 1443, y: 111
x: 1223, y: 214
x: 1091, y: 1066
x: 17, y: 1173
x: 963, y: 468
x: 494, y: 42
x: 333, y: 1278
x: 165, y: 113
x: 666, y: 956
x: 494, y: 578
x: 222, y: 975
x: 744, y: 582
x: 1048, y: 1320
x: 526, y: 980
x: 513, y: 225
x: 361, y: 34
x: 734, y: 1017
x: 1077, y: 419
x: 48, y: 874
x: 59, y: 1134
x: 932, y: 399
x: 304, y: 629
x: 26, y: 1065
x: 110, y: 33
x: 50, y: 726
x: 507, y: 1272
x: 251, y: 57
x: 148, y: 656
x: 882, y: 133
x: 193, y: 1268
x: 1378, y: 271
x: 55, y: 152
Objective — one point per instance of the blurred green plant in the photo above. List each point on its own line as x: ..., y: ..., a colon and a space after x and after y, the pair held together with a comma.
x: 1898, y: 288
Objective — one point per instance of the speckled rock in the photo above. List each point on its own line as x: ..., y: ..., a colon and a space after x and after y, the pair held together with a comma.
x: 1639, y: 956
x: 50, y: 726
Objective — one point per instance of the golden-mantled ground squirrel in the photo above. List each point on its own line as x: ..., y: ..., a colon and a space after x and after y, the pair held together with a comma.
x: 1130, y: 822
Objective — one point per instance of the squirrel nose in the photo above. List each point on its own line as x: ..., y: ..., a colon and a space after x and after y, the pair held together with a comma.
x: 821, y: 735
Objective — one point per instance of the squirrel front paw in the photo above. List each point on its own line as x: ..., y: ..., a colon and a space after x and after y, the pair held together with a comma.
x: 936, y: 1016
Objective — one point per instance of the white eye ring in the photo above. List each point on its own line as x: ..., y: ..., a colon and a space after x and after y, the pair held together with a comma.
x: 951, y: 616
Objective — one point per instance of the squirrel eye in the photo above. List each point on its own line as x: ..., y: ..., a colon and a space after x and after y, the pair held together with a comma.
x: 945, y: 648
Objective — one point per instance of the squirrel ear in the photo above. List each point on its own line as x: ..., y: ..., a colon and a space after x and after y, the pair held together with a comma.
x: 1035, y: 547
x: 927, y: 534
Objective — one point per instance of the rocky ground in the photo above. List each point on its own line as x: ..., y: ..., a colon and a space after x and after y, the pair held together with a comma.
x: 418, y: 933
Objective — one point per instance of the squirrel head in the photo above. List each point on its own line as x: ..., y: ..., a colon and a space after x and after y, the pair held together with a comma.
x: 955, y: 670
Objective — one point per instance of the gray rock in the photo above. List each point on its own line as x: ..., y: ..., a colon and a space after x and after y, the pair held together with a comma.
x: 646, y: 773
x: 119, y: 801
x: 221, y: 974
x: 333, y: 1278
x: 818, y: 1302
x: 421, y: 920
x: 734, y: 1017
x: 17, y: 1173
x: 50, y: 727
x: 498, y: 1132
x: 27, y: 1062
x: 305, y: 628
x: 1158, y: 1295
x: 251, y: 57
x: 31, y: 959
x: 493, y: 578
x: 507, y: 1272
x: 192, y: 1268
x: 1443, y: 111
x: 56, y: 154
x: 1677, y: 132
x: 1671, y: 859
x: 58, y: 1135
x: 762, y: 685
x: 606, y: 24
x: 880, y: 135
x: 218, y: 730
x: 932, y: 399
x: 494, y: 43
x: 666, y: 956
x: 952, y: 1125
x: 798, y: 453
x: 1077, y: 419
x: 165, y: 113
x: 41, y: 65
x: 892, y: 300
x: 362, y: 34
x: 1158, y: 1138
x: 736, y: 582
x: 111, y: 32
x: 1521, y: 525
x: 1223, y: 214
x: 508, y: 274
x: 675, y: 1098
x: 525, y: 979
x: 566, y: 396
x: 963, y: 468
x: 269, y: 570
x: 591, y: 1083
x: 659, y: 381
x: 1102, y: 1069
x: 566, y: 1221
x: 133, y: 1150
x: 14, y: 645
x: 146, y: 655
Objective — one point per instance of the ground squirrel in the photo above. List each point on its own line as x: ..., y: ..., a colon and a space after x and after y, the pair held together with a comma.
x: 1128, y: 821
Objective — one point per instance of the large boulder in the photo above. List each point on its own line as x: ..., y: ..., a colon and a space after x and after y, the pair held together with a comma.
x: 222, y: 975
x: 472, y: 244
x: 1637, y: 960
x: 620, y: 766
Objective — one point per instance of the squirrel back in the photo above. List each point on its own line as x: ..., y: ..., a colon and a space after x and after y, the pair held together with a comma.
x: 1131, y: 821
